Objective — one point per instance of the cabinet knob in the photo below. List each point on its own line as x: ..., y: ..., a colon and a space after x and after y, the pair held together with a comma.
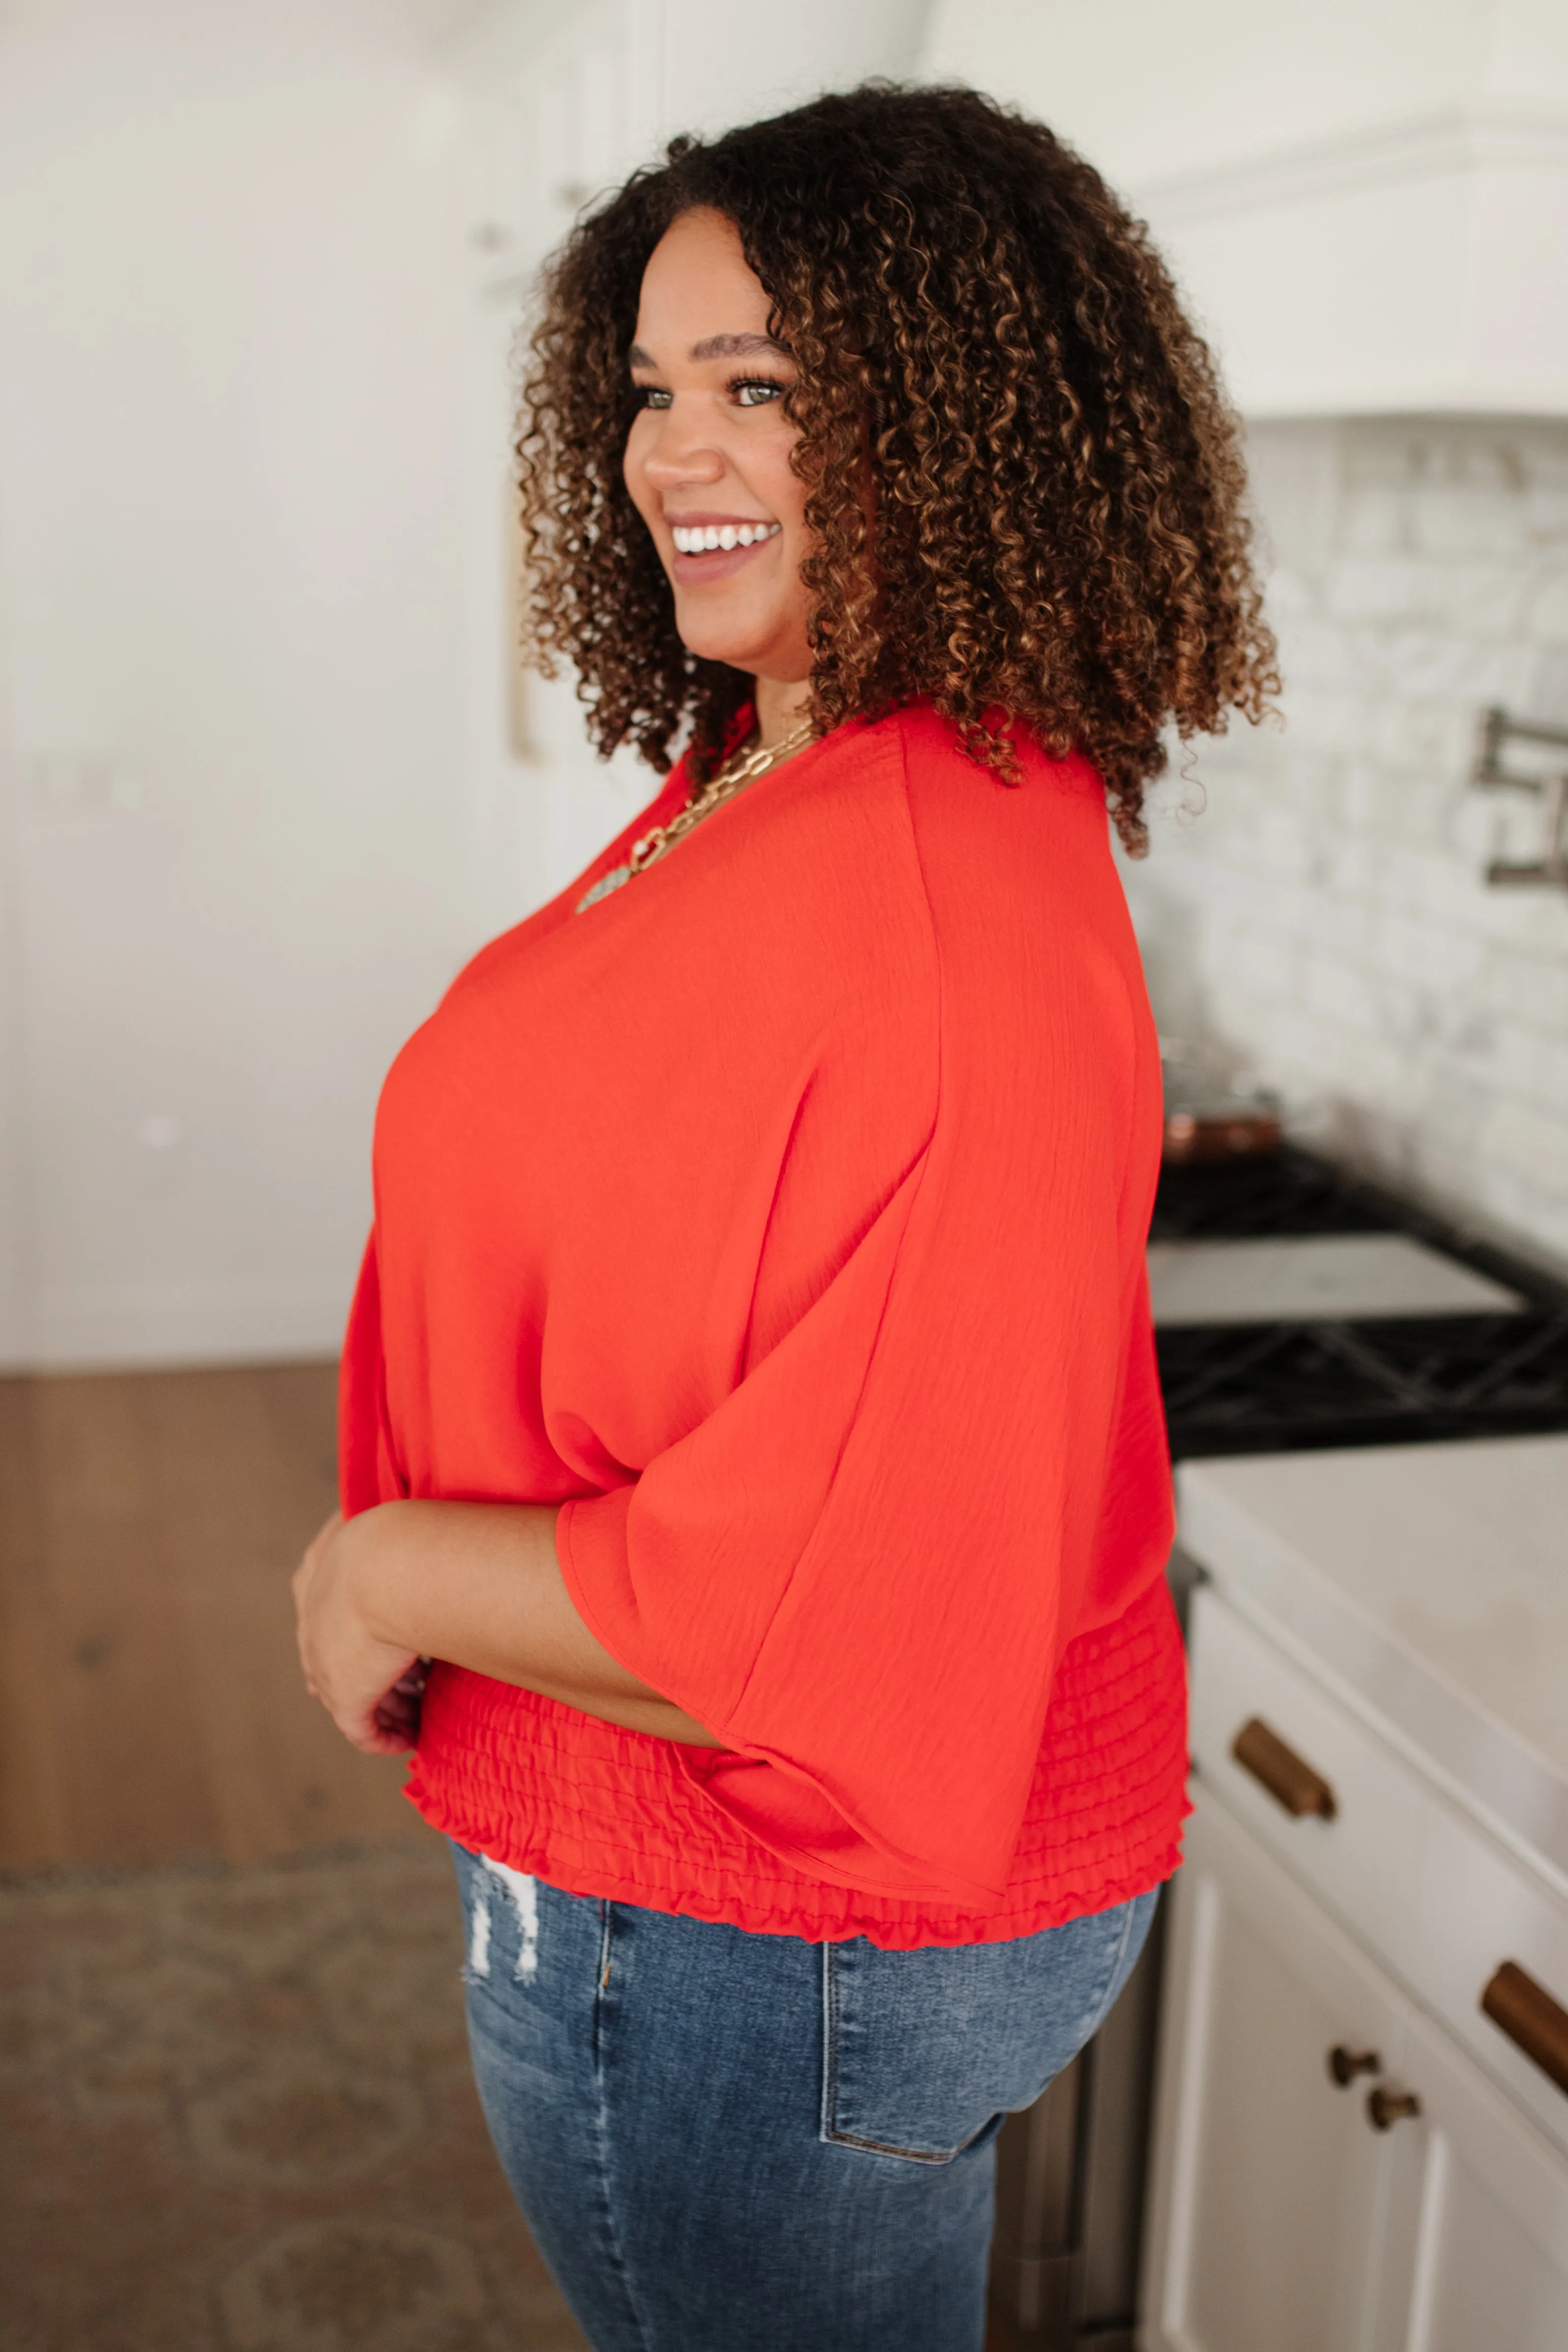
x: 1288, y: 1778
x: 1345, y: 2065
x: 1386, y: 2106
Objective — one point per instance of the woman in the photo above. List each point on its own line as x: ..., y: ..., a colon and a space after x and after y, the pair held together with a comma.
x: 750, y: 1398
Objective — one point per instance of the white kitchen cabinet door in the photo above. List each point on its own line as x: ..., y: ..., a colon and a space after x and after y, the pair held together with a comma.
x: 556, y: 113
x: 1281, y: 2221
x: 1492, y: 2262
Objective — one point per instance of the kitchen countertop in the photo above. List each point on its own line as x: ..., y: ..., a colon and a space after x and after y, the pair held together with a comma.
x: 1311, y: 1277
x: 1433, y: 1580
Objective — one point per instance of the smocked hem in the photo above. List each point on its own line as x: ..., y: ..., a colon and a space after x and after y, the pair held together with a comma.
x: 608, y: 1813
x: 1076, y: 1898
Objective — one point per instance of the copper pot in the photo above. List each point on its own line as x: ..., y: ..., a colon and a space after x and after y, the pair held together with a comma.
x: 1204, y: 1126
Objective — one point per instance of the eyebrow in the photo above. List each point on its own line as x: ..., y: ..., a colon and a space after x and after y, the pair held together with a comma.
x: 717, y: 347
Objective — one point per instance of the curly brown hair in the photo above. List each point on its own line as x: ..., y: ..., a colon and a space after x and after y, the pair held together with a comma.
x: 1055, y: 534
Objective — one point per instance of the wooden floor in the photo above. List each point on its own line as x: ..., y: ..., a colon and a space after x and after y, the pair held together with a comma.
x: 151, y: 1704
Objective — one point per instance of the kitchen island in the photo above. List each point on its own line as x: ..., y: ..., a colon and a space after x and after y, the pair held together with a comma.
x: 1362, y: 2138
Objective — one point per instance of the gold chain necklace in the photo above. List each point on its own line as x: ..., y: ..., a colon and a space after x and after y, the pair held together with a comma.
x: 733, y: 776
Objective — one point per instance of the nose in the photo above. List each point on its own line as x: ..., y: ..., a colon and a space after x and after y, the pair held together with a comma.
x: 677, y: 455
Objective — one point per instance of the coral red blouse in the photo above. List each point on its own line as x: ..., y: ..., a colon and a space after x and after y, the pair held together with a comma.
x: 782, y: 1216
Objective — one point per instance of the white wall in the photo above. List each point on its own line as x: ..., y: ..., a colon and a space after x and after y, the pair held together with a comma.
x: 237, y: 833
x: 260, y: 783
x: 1326, y: 920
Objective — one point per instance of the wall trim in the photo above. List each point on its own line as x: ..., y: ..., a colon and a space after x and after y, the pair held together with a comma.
x: 1323, y: 399
x: 146, y: 1326
x: 1452, y: 142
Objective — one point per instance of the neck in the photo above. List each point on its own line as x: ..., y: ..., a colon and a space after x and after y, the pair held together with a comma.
x: 780, y: 707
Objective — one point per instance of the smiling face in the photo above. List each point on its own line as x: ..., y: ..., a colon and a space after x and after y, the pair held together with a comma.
x: 708, y: 457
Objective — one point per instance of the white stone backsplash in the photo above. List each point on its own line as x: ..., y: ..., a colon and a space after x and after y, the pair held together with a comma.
x: 1314, y: 910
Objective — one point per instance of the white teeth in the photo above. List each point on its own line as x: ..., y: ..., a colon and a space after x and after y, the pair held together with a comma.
x: 709, y: 538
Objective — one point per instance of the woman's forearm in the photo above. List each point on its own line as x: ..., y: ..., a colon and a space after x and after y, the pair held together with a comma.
x: 479, y: 1584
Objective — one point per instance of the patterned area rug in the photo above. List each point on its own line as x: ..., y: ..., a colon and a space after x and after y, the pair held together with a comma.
x: 237, y: 2118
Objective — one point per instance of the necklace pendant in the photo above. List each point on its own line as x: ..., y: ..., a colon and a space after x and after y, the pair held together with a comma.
x: 613, y: 880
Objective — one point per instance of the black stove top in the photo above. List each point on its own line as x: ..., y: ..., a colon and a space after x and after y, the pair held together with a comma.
x: 1281, y: 1387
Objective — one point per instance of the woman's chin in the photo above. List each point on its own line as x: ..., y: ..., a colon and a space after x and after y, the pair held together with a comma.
x: 717, y: 630
x: 730, y: 647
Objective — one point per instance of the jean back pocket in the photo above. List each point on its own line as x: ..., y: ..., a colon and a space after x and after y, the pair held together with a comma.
x: 924, y: 2050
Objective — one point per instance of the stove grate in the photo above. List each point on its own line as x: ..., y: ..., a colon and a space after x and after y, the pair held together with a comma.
x: 1278, y: 1388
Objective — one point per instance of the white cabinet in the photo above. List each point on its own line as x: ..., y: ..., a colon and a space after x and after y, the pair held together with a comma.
x: 555, y: 109
x: 1284, y: 2220
x: 558, y: 105
x: 554, y: 114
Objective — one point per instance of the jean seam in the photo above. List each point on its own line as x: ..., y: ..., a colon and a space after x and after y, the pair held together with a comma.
x: 829, y: 2038
x: 601, y: 2135
x: 1108, y: 1997
x: 601, y: 1978
x: 886, y: 2147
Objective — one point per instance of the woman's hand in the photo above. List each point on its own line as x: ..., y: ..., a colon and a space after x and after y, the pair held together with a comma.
x: 477, y: 1584
x: 368, y: 1685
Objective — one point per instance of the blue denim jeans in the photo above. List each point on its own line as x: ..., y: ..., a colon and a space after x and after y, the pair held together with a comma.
x: 727, y: 2142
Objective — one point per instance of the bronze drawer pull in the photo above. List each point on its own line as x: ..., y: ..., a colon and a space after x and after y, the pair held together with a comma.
x: 1532, y: 2020
x: 1289, y: 1779
x: 1345, y: 2064
x: 1386, y: 2106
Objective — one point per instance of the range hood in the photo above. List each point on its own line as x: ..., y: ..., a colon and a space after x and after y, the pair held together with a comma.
x: 1367, y: 202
